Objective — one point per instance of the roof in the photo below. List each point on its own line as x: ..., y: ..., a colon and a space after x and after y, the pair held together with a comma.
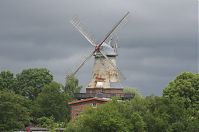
x: 89, y: 99
x: 108, y: 49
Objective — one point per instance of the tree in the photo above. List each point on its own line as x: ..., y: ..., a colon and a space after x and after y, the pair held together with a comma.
x: 30, y: 82
x: 14, y: 113
x: 47, y: 122
x: 165, y: 114
x: 142, y: 115
x: 133, y: 91
x: 105, y: 118
x: 182, y: 97
x: 7, y: 80
x: 72, y: 85
x: 186, y: 88
x: 137, y: 123
x: 51, y: 102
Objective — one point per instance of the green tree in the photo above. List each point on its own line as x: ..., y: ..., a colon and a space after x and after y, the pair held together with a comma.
x: 141, y: 113
x: 182, y: 99
x: 14, y: 113
x: 137, y: 123
x: 133, y: 91
x: 30, y: 82
x: 51, y: 102
x: 151, y: 113
x: 7, y: 80
x: 156, y: 115
x: 47, y: 122
x: 105, y: 118
x: 165, y: 114
x: 72, y: 86
x: 186, y: 88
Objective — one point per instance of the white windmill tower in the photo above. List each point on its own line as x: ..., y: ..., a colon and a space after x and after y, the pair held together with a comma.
x: 105, y: 72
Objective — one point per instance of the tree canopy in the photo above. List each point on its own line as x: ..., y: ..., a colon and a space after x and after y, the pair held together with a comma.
x: 7, y: 80
x: 51, y: 102
x: 186, y: 88
x: 30, y: 82
x: 176, y: 111
x: 14, y: 111
x: 72, y: 85
x: 32, y: 97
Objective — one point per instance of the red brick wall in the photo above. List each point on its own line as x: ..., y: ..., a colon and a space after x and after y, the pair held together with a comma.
x: 112, y: 90
x: 77, y: 108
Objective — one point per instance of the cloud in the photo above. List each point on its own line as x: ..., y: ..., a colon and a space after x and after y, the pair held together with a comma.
x: 158, y: 42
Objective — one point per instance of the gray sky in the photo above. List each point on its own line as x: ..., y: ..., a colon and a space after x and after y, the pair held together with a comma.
x: 158, y: 42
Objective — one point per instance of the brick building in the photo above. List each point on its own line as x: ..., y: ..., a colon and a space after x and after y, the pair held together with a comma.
x: 78, y: 106
x: 95, y: 97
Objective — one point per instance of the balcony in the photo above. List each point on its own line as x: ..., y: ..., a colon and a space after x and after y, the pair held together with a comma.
x: 123, y: 96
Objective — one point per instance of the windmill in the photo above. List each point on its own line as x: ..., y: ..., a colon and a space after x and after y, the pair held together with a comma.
x: 105, y: 72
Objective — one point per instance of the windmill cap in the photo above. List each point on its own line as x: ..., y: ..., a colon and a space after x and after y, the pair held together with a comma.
x: 108, y: 50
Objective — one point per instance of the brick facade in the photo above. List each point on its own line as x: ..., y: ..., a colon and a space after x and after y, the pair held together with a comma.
x: 78, y: 106
x: 94, y: 97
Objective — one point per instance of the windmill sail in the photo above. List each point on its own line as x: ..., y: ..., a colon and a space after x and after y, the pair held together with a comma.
x: 111, y: 32
x: 86, y: 59
x: 114, y: 34
x: 83, y: 30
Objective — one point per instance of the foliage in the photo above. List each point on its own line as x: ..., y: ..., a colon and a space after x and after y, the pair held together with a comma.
x: 7, y: 80
x: 169, y: 113
x: 186, y: 88
x: 148, y: 114
x: 47, y: 122
x: 136, y: 122
x: 30, y: 82
x: 104, y: 119
x: 133, y: 91
x: 51, y: 102
x: 72, y: 86
x: 50, y: 123
x: 110, y: 117
x: 14, y: 111
x: 42, y: 99
x: 44, y: 102
x: 182, y: 96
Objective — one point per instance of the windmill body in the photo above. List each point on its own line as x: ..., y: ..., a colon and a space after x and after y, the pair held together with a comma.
x: 105, y: 73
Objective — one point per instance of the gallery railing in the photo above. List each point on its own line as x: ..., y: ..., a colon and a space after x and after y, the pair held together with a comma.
x: 123, y: 96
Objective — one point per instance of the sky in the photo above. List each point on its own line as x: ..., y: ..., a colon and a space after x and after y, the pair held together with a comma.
x: 159, y: 41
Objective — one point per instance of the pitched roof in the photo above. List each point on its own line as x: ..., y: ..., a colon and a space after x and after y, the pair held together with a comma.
x: 89, y: 99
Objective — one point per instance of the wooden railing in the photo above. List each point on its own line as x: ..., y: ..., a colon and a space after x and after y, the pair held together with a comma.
x: 123, y: 96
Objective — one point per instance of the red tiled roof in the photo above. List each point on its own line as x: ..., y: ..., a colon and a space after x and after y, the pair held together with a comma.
x: 89, y: 99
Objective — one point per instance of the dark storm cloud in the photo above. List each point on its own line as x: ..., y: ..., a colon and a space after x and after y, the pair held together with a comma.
x: 158, y: 42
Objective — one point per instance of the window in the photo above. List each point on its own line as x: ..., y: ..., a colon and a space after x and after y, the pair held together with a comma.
x: 94, y: 105
x: 99, y: 85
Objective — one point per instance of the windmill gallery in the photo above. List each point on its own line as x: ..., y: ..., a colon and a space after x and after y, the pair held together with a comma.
x: 106, y: 77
